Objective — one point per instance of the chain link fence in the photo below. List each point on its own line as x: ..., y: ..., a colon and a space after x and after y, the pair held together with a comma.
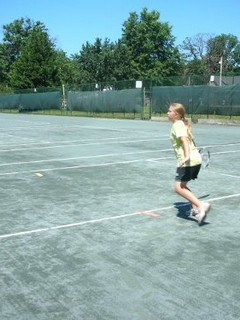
x: 201, y: 95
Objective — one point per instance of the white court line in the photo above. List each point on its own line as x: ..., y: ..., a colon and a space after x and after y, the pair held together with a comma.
x: 88, y: 166
x: 39, y: 123
x: 157, y: 159
x: 225, y: 197
x: 28, y: 121
x: 3, y: 129
x: 81, y: 223
x: 85, y: 143
x: 79, y: 144
x: 220, y: 145
x: 87, y: 157
x: 63, y: 142
x: 224, y: 152
x: 227, y: 175
x: 50, y: 126
x: 72, y: 167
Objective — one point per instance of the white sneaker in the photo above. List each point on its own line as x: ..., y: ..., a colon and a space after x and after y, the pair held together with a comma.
x: 193, y: 212
x: 207, y: 206
x: 201, y: 215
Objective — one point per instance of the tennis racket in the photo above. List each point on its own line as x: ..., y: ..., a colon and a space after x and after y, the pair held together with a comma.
x: 205, y: 154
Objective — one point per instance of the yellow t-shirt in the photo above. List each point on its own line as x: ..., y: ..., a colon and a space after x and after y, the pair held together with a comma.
x: 178, y: 130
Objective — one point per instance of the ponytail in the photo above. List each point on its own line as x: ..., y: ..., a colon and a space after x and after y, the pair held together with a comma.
x: 187, y: 123
x: 179, y: 108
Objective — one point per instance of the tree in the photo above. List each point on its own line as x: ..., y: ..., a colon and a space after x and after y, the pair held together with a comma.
x: 151, y: 46
x: 15, y: 36
x: 87, y: 62
x: 95, y: 63
x: 195, y: 47
x: 36, y: 65
x: 226, y: 47
x: 64, y: 68
x: 121, y: 62
x: 236, y: 60
x: 203, y: 53
x: 193, y: 53
x: 4, y: 63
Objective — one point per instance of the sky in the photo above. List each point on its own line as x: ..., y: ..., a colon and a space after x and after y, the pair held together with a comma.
x: 72, y: 23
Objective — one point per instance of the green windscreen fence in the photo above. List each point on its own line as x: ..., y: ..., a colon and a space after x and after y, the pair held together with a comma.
x: 129, y: 100
x: 31, y: 101
x: 40, y: 101
x: 9, y: 101
x: 224, y: 100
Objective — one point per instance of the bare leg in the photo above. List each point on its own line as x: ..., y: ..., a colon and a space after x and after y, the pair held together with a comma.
x: 193, y: 206
x: 182, y: 189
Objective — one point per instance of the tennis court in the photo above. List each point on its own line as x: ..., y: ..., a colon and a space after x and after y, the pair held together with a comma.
x: 91, y: 228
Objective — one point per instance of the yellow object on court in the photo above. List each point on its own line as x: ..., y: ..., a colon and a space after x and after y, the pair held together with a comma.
x: 39, y: 174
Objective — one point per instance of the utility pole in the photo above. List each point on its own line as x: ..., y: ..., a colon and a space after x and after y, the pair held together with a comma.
x: 221, y: 67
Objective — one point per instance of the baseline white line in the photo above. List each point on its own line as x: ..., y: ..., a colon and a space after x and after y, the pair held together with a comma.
x: 225, y: 197
x: 106, y: 155
x: 88, y: 166
x: 86, y: 157
x: 78, y: 144
x: 226, y: 174
x: 72, y: 167
x: 76, y: 167
x: 220, y: 145
x: 225, y: 152
x: 157, y: 159
x: 76, y: 224
x: 70, y: 141
x: 20, y: 128
x: 50, y: 126
x: 67, y: 225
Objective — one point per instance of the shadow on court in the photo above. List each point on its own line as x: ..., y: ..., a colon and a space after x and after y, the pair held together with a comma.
x: 183, y: 209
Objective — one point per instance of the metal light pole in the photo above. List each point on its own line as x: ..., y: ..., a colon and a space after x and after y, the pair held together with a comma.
x: 221, y: 66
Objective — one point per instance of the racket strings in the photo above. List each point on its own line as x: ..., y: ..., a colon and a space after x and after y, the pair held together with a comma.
x: 205, y: 154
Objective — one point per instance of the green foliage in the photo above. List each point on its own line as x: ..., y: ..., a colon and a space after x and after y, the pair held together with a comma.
x: 64, y: 68
x: 121, y: 62
x: 151, y: 45
x: 146, y: 50
x: 5, y: 89
x: 236, y: 59
x: 203, y: 53
x: 36, y: 64
x: 222, y: 46
x: 15, y: 36
x: 4, y: 65
x: 101, y: 61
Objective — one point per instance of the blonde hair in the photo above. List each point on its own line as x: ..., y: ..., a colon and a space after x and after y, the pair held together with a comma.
x: 180, y: 110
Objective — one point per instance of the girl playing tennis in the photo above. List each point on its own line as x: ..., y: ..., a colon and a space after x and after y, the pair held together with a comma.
x: 188, y: 160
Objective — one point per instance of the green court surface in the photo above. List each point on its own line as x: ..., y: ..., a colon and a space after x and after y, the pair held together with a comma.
x: 92, y: 230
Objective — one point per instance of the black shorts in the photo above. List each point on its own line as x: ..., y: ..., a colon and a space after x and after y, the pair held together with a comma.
x: 185, y: 174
